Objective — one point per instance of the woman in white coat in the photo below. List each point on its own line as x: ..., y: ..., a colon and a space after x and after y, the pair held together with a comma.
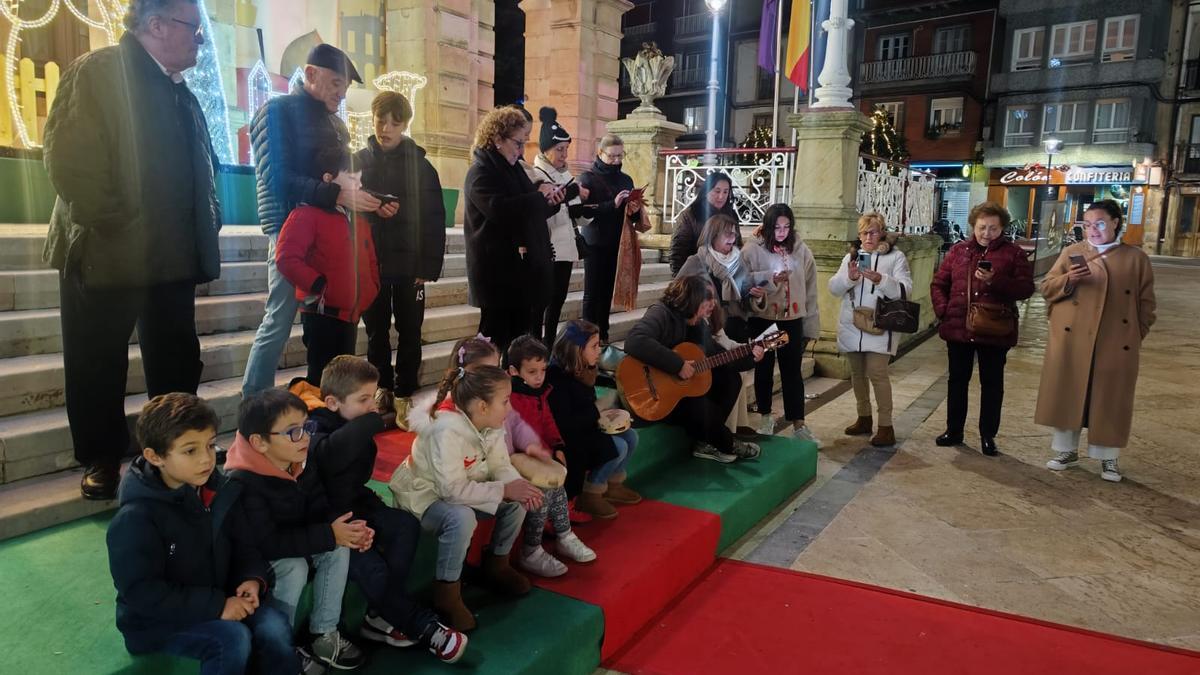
x: 877, y: 269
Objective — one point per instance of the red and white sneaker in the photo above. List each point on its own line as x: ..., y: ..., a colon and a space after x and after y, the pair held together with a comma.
x: 577, y: 517
x: 446, y: 643
x: 377, y: 628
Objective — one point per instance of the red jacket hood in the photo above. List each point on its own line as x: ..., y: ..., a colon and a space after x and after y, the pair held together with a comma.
x: 243, y: 456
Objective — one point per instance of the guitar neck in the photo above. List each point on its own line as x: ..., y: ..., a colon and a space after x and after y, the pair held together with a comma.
x: 725, y: 357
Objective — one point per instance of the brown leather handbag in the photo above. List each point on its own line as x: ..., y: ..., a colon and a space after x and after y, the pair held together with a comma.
x: 988, y: 319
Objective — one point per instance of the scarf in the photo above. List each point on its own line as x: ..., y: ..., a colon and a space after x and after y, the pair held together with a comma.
x: 730, y: 261
x: 1103, y: 248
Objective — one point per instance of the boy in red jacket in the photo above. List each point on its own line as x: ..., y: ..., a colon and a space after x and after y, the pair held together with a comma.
x: 527, y: 359
x: 328, y: 255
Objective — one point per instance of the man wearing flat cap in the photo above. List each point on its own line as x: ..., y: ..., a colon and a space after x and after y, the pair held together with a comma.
x: 286, y: 135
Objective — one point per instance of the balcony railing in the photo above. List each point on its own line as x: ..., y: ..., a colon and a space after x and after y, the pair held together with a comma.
x: 1072, y: 137
x: 918, y: 68
x: 1018, y: 140
x: 688, y: 78
x: 761, y: 177
x: 903, y: 196
x: 693, y: 24
x: 639, y: 32
x: 1112, y: 135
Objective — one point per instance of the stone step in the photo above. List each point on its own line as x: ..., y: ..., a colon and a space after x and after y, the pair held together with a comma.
x: 39, y: 331
x: 38, y: 443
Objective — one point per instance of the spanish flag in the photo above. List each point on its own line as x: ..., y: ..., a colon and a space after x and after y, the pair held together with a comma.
x: 799, y: 46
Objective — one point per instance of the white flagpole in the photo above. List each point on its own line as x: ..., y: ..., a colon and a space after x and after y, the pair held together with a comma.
x: 778, y: 71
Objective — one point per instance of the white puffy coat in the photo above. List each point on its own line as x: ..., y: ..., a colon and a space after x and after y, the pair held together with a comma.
x: 562, y: 233
x: 893, y: 266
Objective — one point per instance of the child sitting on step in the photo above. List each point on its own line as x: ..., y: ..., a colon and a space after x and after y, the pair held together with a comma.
x: 596, y: 461
x: 343, y: 454
x: 458, y: 472
x: 189, y: 580
x: 527, y: 358
x: 290, y: 520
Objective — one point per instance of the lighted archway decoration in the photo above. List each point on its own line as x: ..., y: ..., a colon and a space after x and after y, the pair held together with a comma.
x: 400, y: 81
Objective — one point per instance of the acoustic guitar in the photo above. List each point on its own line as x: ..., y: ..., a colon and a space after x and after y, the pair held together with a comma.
x: 652, y: 393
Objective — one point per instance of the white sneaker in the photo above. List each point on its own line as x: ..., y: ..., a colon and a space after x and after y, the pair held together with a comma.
x: 1110, y: 471
x: 570, y: 547
x: 705, y: 451
x: 805, y: 434
x: 766, y: 424
x: 1063, y: 460
x: 535, y: 560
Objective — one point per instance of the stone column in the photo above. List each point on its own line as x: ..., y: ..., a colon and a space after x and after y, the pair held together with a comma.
x: 823, y: 198
x: 645, y: 134
x: 453, y: 44
x: 572, y: 63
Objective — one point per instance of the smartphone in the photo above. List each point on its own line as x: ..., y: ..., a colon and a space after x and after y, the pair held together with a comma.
x: 1078, y: 260
x: 385, y: 199
x: 985, y: 265
x: 864, y: 260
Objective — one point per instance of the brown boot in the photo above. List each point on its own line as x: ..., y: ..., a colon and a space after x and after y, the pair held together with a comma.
x: 860, y: 428
x: 591, y: 501
x: 448, y: 602
x: 886, y: 436
x: 502, y: 578
x: 617, y: 493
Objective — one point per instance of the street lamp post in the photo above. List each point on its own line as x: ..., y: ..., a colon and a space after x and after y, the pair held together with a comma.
x: 714, y: 85
x: 1053, y: 146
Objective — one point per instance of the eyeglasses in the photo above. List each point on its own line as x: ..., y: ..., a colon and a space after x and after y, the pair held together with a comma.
x: 519, y: 143
x: 297, y: 434
x: 197, y: 27
x: 613, y: 155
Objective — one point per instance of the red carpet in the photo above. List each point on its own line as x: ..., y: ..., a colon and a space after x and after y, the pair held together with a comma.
x: 644, y: 558
x: 750, y: 619
x: 394, y: 447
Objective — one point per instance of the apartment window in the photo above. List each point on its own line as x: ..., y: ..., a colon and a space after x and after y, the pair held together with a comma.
x: 951, y: 39
x: 895, y: 46
x: 895, y: 113
x: 1018, y: 126
x: 1029, y: 48
x: 1072, y: 43
x: 695, y: 117
x: 946, y: 113
x: 1112, y: 121
x: 1065, y: 121
x: 762, y: 121
x: 1120, y: 38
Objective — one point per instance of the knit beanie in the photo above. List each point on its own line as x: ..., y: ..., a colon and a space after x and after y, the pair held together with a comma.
x: 552, y: 132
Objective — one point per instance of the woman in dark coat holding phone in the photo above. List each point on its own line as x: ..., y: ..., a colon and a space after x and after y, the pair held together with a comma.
x: 990, y: 271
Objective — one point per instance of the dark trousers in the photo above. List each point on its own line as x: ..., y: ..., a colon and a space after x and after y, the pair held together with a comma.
x: 96, y: 326
x: 503, y: 324
x: 260, y: 643
x: 791, y: 376
x: 404, y: 300
x: 991, y: 386
x: 550, y: 316
x: 382, y: 572
x: 599, y: 277
x: 704, y: 416
x: 326, y: 337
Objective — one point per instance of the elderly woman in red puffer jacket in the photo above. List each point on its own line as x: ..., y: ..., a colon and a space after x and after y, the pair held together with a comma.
x: 990, y: 271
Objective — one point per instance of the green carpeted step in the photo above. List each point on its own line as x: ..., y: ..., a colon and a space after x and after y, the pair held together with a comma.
x: 741, y: 493
x: 659, y: 447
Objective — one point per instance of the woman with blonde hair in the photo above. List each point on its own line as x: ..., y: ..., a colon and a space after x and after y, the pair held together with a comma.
x: 509, y: 260
x: 873, y: 269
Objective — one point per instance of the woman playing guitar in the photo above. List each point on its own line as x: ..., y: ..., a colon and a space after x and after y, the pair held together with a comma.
x: 686, y: 314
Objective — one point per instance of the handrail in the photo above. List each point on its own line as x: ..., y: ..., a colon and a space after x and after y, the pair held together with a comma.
x: 726, y: 151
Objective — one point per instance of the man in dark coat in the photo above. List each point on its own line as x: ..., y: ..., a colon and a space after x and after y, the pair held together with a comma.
x: 287, y: 134
x: 134, y: 228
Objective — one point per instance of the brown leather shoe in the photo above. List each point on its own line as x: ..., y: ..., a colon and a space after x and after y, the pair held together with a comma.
x: 502, y: 578
x: 100, y: 482
x: 448, y: 602
x: 860, y: 428
x: 595, y: 505
x: 886, y: 436
x: 617, y: 493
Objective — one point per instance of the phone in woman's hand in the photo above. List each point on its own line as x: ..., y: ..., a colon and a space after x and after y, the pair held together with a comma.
x: 864, y: 260
x: 985, y: 265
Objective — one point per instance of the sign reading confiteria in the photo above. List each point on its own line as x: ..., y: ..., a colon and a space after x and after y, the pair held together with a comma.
x: 1065, y: 175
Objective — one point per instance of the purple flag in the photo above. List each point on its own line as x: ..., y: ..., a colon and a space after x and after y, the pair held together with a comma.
x: 766, y: 35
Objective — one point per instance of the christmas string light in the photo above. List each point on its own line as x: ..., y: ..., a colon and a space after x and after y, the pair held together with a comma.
x: 204, y: 79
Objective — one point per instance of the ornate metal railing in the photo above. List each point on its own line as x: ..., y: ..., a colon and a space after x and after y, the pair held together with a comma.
x: 761, y: 177
x: 904, y: 196
x: 918, y: 68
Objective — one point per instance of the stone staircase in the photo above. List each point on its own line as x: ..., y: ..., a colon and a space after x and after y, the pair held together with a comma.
x: 39, y: 487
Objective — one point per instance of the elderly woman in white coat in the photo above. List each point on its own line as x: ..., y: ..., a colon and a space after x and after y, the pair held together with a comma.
x: 876, y: 270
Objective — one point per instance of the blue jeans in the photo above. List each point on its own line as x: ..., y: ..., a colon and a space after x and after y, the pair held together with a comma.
x: 382, y: 572
x: 226, y: 647
x: 454, y: 525
x: 274, y: 331
x: 625, y: 442
x: 329, y: 583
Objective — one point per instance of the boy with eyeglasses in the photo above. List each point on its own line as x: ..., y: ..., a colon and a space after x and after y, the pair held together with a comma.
x: 289, y: 515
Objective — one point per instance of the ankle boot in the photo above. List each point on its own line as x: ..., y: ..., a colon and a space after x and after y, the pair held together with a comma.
x: 886, y: 436
x: 502, y: 578
x: 448, y: 602
x: 592, y: 501
x: 617, y: 493
x: 860, y: 428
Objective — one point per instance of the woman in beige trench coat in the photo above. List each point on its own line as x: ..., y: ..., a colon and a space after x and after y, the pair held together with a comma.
x: 1099, y: 314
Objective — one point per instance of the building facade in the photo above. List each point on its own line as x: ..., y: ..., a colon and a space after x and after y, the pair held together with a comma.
x: 1176, y: 233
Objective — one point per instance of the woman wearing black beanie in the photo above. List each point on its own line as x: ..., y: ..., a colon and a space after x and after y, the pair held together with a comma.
x: 609, y: 190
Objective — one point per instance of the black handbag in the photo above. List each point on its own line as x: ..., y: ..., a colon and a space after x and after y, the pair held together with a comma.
x: 581, y: 245
x: 901, y: 315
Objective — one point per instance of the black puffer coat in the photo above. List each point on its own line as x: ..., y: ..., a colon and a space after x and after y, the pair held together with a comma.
x: 604, y: 182
x: 289, y: 518
x: 504, y: 212
x: 573, y: 405
x: 286, y: 135
x: 342, y: 454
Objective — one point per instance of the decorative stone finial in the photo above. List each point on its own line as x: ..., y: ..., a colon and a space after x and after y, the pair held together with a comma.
x: 648, y: 74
